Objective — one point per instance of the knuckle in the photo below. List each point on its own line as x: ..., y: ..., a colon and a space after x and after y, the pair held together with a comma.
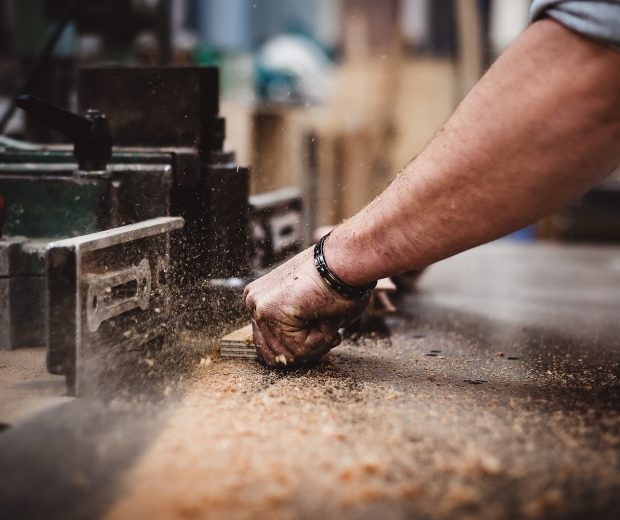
x: 250, y: 302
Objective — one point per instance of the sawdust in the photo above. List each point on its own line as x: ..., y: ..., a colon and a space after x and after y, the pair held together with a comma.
x: 497, y: 396
x: 381, y: 430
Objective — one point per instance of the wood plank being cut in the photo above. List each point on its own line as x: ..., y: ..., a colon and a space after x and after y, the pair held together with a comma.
x: 239, y: 344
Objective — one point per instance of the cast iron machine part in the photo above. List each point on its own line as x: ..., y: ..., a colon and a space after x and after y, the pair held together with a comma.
x: 167, y: 160
x: 171, y: 115
x: 176, y: 109
x: 48, y: 197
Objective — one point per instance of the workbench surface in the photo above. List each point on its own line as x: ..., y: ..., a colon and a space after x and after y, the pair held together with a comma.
x: 497, y: 395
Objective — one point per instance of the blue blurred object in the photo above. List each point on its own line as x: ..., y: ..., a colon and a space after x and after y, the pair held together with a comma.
x: 527, y: 234
x: 293, y: 68
x: 243, y: 25
x: 225, y: 24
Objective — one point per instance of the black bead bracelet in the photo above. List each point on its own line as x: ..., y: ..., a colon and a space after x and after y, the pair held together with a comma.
x: 351, y: 292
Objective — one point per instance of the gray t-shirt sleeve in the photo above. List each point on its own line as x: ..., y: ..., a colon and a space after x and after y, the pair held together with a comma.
x: 597, y: 20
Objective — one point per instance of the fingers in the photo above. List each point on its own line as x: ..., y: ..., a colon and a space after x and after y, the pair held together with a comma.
x: 320, y: 340
x: 263, y: 351
x: 272, y: 351
x: 324, y: 347
x: 294, y: 318
x: 272, y: 344
x: 278, y: 347
x: 276, y: 351
x: 263, y: 347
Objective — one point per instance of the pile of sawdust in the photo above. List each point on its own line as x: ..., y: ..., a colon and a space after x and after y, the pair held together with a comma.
x: 379, y: 429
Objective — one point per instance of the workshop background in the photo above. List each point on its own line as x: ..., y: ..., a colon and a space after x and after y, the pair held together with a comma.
x: 203, y: 143
x: 332, y: 97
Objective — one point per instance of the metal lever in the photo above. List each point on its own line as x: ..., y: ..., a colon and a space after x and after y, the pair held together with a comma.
x: 90, y: 133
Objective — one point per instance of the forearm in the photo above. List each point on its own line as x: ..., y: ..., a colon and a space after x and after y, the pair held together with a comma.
x: 539, y: 129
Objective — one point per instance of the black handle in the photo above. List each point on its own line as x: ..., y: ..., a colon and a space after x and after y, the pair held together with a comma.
x: 90, y: 133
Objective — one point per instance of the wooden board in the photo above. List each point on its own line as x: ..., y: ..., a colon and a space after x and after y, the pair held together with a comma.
x: 239, y: 344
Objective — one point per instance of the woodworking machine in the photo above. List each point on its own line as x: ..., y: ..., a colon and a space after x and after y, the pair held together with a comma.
x: 141, y: 230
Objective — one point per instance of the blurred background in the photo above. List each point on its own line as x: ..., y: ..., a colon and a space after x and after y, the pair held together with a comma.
x: 332, y: 97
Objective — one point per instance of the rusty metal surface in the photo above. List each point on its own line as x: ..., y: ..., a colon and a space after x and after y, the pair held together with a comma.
x: 496, y: 396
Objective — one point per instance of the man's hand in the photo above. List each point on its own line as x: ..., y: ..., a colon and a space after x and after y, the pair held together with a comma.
x: 295, y: 315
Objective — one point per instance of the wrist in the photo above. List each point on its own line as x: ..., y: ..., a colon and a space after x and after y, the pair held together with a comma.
x: 333, y: 279
x: 339, y: 251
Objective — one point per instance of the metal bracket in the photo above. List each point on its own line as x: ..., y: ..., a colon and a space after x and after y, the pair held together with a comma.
x: 108, y: 294
x: 108, y: 304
